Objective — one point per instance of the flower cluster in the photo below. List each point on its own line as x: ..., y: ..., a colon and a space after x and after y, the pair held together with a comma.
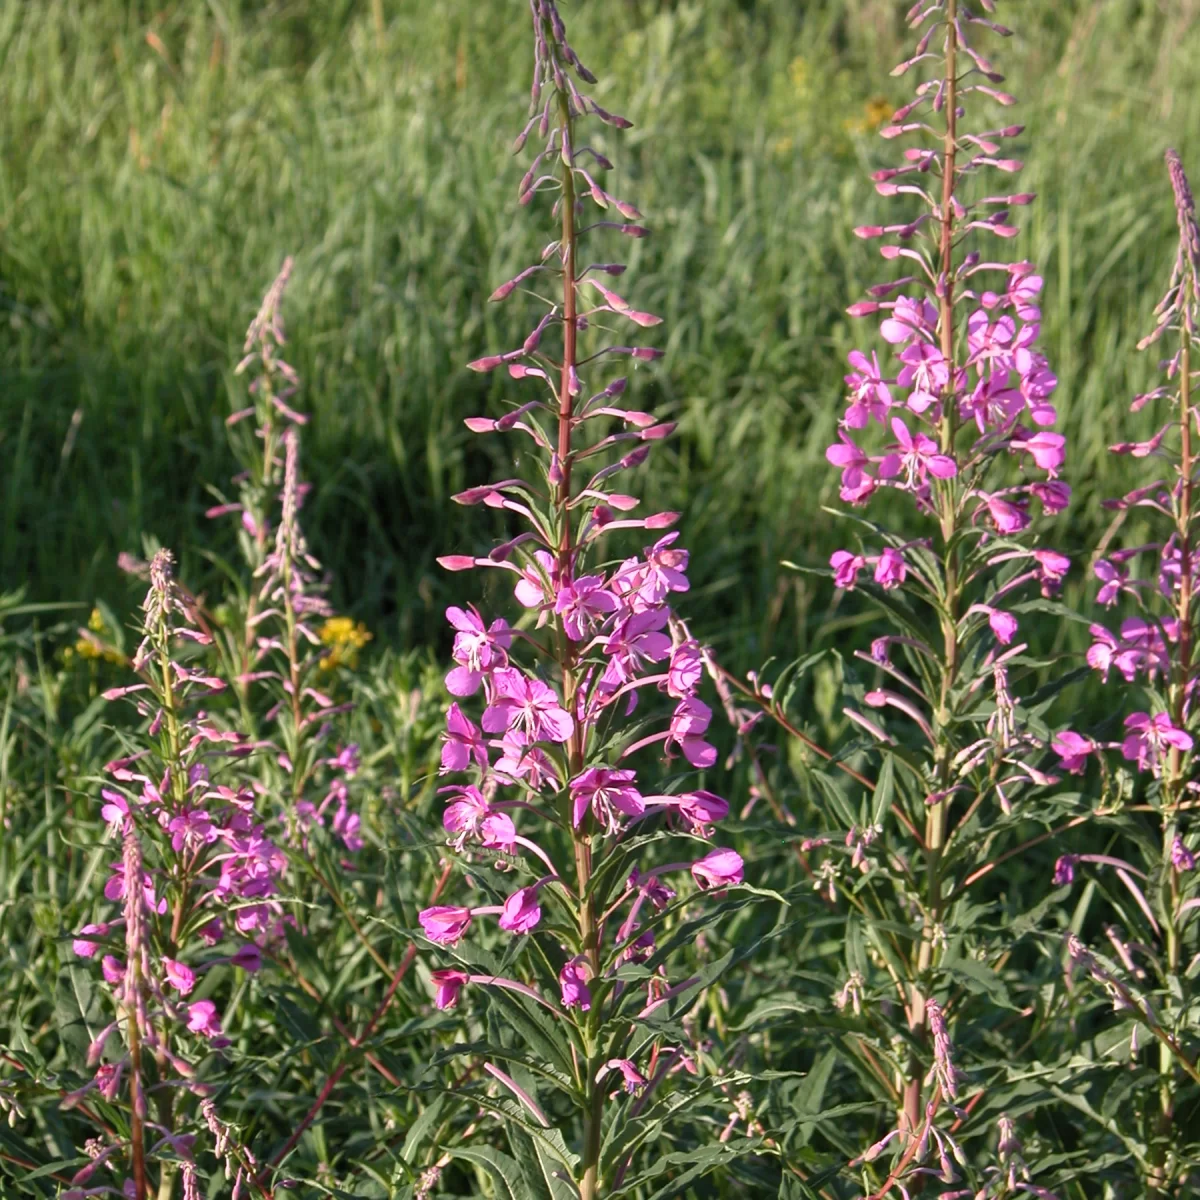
x: 540, y: 703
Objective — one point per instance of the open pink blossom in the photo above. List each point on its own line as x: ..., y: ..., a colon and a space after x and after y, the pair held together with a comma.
x: 609, y: 794
x: 527, y: 704
x: 462, y: 742
x: 869, y: 393
x: 478, y: 649
x: 204, y: 1019
x: 919, y: 455
x: 583, y: 603
x: 702, y: 810
x: 532, y: 589
x: 1149, y: 737
x: 689, y: 722
x: 890, y: 568
x: 634, y: 1081
x: 85, y: 946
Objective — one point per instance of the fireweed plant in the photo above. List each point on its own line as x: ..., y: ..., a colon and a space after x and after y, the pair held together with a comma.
x: 1148, y: 966
x: 194, y: 888
x: 241, y: 843
x: 952, y: 413
x: 557, y: 716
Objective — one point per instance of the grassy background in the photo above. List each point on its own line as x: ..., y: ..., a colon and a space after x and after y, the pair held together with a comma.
x: 160, y: 160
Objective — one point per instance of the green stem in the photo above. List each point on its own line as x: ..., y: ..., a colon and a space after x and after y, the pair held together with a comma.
x: 935, y: 822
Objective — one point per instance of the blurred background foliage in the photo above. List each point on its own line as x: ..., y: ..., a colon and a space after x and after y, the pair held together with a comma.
x: 160, y: 159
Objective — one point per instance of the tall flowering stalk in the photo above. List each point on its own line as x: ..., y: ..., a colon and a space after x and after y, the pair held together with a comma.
x: 196, y: 886
x: 272, y: 640
x: 539, y: 731
x: 1154, y: 653
x: 954, y: 418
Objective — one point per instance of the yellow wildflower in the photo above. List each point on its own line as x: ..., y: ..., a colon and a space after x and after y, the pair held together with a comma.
x: 345, y: 637
x: 875, y: 112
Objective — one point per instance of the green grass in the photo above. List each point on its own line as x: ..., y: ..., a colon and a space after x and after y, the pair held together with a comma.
x: 158, y: 164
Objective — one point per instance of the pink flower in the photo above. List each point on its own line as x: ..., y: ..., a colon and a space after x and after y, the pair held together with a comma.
x: 1052, y: 570
x: 1054, y: 495
x: 1150, y: 736
x: 531, y: 590
x: 1073, y: 749
x: 1004, y: 626
x: 636, y: 641
x: 701, y: 810
x: 847, y: 455
x: 846, y: 567
x: 926, y: 372
x: 1007, y: 517
x: 607, y: 792
x: 85, y: 947
x: 573, y: 980
x: 520, y: 760
x: 445, y: 924
x: 1064, y: 870
x: 1047, y: 450
x: 582, y: 604
x: 528, y: 704
x: 203, y: 1019
x: 1113, y: 578
x: 869, y: 394
x: 910, y: 318
x: 919, y: 454
x: 890, y: 569
x: 191, y: 829
x: 1182, y: 859
x: 521, y: 912
x: 113, y: 970
x: 179, y: 976
x: 718, y: 868
x: 116, y: 809
x: 686, y: 669
x: 689, y: 722
x: 449, y: 983
x: 664, y: 570
x: 633, y: 1079
x: 464, y: 816
x: 477, y: 650
x: 248, y: 958
x: 462, y: 742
